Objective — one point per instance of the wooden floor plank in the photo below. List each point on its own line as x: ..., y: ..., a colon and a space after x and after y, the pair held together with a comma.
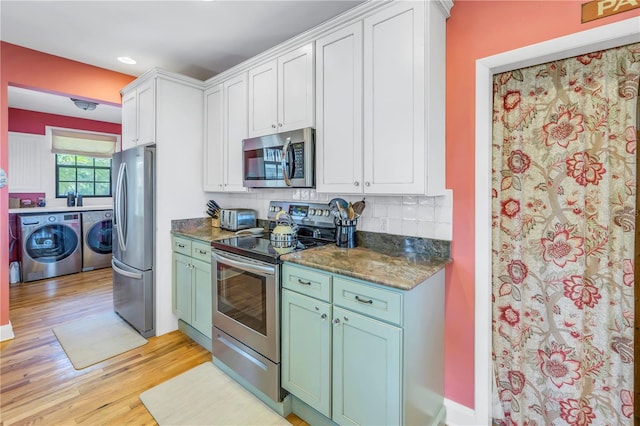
x: 38, y: 384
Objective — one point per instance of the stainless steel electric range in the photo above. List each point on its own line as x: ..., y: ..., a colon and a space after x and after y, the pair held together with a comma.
x: 246, y: 297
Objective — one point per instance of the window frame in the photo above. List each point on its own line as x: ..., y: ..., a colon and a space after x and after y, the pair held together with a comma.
x: 76, y: 166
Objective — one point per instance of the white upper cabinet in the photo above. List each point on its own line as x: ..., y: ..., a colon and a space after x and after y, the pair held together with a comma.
x: 235, y: 130
x: 380, y: 103
x: 281, y: 93
x: 339, y: 111
x: 225, y: 128
x: 139, y: 115
x: 213, y: 139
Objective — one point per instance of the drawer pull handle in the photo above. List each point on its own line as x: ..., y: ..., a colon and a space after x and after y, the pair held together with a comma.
x: 202, y: 251
x: 304, y: 282
x: 369, y: 302
x: 181, y: 245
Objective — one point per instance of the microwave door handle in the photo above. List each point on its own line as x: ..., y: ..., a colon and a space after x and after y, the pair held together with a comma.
x: 285, y: 162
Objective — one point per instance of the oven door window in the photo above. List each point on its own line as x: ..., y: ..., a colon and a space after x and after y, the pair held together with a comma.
x: 51, y: 243
x: 242, y: 297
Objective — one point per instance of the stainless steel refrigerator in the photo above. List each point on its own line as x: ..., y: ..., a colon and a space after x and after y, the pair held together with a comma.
x: 133, y: 237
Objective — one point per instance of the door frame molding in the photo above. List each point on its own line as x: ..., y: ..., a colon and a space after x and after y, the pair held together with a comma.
x: 599, y: 38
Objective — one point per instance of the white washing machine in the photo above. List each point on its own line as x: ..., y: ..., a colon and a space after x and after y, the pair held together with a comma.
x: 96, y: 239
x: 50, y: 245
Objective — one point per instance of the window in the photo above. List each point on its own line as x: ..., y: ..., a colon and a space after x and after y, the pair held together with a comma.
x: 89, y: 176
x: 83, y: 161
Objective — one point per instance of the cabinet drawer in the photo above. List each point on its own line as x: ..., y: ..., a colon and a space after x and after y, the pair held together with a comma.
x: 375, y: 302
x: 201, y: 251
x: 307, y: 281
x: 181, y: 245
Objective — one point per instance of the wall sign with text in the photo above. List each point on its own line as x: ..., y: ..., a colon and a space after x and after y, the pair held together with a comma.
x: 601, y: 8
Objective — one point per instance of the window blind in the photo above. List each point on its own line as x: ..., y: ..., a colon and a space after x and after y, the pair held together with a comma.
x: 78, y: 142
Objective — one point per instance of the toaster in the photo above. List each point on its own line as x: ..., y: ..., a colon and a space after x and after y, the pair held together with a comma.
x: 236, y: 219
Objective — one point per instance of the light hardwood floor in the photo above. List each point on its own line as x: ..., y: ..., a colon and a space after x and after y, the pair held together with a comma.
x: 38, y: 384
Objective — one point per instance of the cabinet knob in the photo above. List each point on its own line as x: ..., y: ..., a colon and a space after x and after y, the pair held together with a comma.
x: 336, y: 321
x: 356, y: 183
x: 273, y: 126
x: 367, y: 184
x: 279, y: 124
x: 323, y: 317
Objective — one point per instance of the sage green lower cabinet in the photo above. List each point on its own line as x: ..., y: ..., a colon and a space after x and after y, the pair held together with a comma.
x: 359, y: 353
x: 367, y: 370
x: 306, y: 349
x: 192, y: 284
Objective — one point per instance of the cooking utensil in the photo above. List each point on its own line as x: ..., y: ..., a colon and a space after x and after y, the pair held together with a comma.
x: 341, y: 206
x: 358, y: 207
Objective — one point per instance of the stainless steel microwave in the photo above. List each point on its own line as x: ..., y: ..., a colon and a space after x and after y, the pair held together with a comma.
x: 279, y: 161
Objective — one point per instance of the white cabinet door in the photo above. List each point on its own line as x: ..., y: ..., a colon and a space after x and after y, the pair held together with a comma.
x: 214, y: 139
x: 339, y: 111
x: 139, y: 115
x: 394, y: 143
x: 147, y: 112
x: 235, y: 117
x: 281, y: 93
x: 296, y: 106
x: 129, y: 120
x: 263, y: 111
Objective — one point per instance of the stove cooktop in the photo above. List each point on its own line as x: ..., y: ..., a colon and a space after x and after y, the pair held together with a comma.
x: 260, y: 247
x: 315, y: 228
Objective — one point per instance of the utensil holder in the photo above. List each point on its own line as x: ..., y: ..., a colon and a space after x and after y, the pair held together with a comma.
x: 346, y: 233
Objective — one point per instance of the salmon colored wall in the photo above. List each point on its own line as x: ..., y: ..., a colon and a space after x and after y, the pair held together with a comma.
x: 36, y: 70
x: 23, y: 121
x: 477, y: 29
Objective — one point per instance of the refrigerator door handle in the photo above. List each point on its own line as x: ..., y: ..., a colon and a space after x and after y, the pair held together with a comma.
x: 121, y: 227
x: 123, y: 272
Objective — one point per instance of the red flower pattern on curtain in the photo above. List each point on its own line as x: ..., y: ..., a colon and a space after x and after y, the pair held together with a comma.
x: 564, y: 188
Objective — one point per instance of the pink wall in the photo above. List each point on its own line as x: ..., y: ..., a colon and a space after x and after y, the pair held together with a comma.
x: 24, y: 121
x: 36, y: 70
x: 477, y: 29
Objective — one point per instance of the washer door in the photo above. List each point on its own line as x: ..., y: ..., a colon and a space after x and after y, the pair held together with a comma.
x: 51, y: 243
x: 98, y: 238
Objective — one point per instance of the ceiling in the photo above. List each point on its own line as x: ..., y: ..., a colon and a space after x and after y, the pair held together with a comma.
x: 195, y: 38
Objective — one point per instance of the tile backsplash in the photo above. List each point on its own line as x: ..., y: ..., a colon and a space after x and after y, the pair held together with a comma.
x: 416, y: 216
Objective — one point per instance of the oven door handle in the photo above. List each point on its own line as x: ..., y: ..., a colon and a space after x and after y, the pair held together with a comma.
x: 258, y: 269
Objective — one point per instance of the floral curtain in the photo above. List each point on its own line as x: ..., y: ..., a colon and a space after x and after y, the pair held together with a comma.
x: 564, y: 188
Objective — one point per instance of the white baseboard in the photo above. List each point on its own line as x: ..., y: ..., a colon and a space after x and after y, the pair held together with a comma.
x: 460, y: 415
x: 6, y: 332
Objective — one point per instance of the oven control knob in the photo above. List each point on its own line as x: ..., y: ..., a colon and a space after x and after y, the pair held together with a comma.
x: 326, y: 213
x: 312, y: 212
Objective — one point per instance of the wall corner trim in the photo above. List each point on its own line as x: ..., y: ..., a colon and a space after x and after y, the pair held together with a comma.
x: 459, y: 415
x: 6, y: 332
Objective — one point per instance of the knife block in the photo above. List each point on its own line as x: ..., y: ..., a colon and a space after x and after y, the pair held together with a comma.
x: 215, y: 222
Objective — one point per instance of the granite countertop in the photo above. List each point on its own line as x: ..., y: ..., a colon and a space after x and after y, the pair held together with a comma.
x: 403, y: 271
x: 401, y: 263
x: 199, y: 229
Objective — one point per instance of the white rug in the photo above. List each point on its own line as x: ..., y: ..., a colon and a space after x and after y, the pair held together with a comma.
x: 96, y: 338
x: 205, y: 395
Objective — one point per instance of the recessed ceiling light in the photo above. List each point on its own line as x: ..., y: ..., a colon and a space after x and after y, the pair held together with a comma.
x: 126, y: 60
